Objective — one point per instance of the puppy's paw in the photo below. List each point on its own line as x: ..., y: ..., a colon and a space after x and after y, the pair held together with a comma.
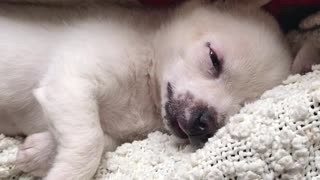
x: 36, y: 154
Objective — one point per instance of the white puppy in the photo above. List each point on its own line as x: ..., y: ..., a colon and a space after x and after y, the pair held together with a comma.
x: 78, y: 80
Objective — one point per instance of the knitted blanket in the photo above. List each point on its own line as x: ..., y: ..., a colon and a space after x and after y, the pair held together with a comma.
x: 276, y: 137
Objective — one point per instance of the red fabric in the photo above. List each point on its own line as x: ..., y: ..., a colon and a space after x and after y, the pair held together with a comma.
x: 295, y: 2
x: 276, y: 6
x: 273, y: 3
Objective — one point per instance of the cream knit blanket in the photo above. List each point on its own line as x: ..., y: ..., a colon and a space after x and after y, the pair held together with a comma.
x: 276, y: 137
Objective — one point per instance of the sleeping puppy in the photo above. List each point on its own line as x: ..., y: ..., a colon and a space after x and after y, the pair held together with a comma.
x: 80, y: 80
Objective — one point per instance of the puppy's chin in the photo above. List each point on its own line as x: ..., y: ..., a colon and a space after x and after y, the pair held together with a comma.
x: 186, y: 144
x: 179, y: 140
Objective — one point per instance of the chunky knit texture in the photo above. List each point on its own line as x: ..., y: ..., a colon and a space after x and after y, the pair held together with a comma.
x: 276, y: 137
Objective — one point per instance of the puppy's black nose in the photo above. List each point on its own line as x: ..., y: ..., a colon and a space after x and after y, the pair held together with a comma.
x: 202, y: 125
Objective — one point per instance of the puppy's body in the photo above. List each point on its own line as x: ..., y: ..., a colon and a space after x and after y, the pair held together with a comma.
x: 124, y: 58
x: 110, y: 50
x: 88, y: 78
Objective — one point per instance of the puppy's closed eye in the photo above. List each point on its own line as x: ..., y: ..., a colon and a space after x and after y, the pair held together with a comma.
x: 216, y: 63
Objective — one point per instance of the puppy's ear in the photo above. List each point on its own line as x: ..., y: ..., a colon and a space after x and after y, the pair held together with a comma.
x: 307, y: 56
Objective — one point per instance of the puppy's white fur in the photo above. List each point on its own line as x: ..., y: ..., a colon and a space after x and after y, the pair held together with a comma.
x: 89, y: 78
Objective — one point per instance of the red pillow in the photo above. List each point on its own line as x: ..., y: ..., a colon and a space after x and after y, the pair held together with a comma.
x: 275, y: 6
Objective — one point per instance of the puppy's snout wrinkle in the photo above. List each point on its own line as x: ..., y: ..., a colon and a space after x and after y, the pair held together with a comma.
x: 202, y: 125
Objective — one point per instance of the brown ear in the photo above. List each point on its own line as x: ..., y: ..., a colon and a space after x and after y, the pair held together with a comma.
x: 307, y: 56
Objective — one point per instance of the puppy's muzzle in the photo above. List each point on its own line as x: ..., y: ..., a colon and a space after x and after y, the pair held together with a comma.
x: 189, y: 118
x: 201, y: 125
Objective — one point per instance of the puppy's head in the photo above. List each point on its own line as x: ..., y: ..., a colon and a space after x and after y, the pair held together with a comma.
x: 212, y: 61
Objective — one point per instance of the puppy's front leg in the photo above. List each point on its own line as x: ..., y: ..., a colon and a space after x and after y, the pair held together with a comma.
x: 72, y: 111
